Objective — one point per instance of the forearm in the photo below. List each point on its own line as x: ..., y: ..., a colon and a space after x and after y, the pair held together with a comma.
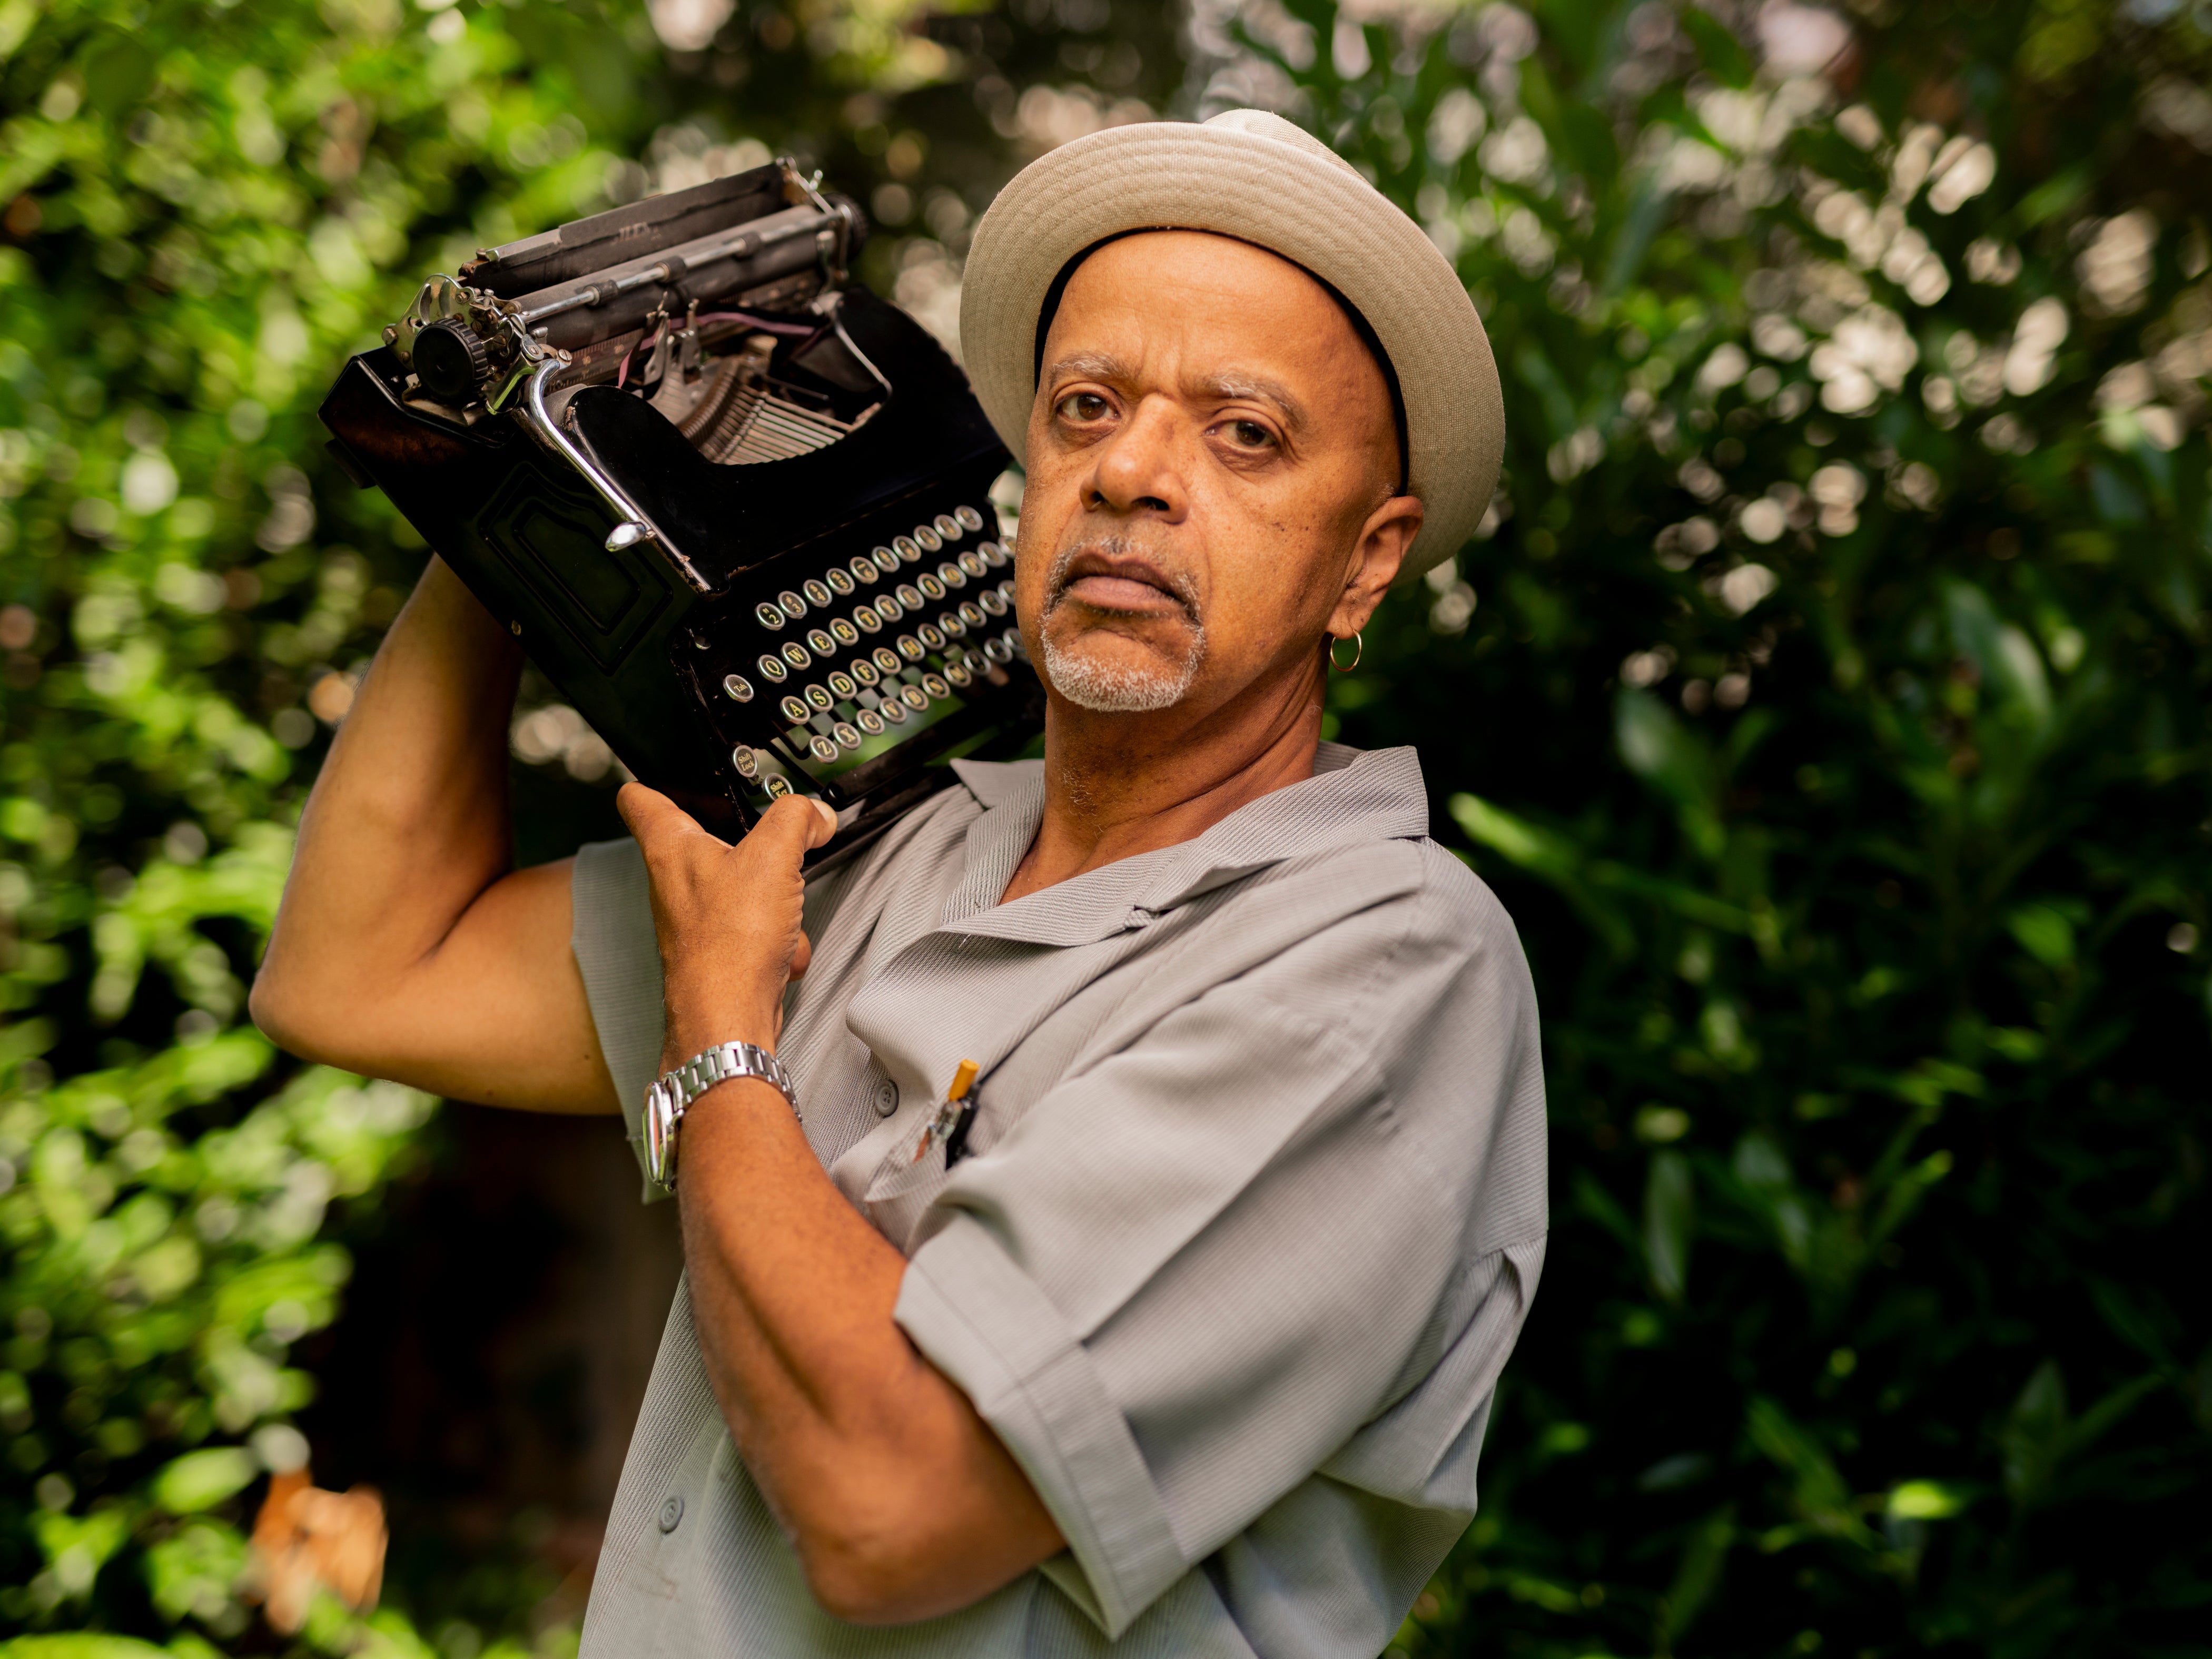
x: 903, y: 1502
x: 408, y: 824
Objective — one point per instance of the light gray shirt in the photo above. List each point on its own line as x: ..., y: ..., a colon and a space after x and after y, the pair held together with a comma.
x: 1251, y: 1211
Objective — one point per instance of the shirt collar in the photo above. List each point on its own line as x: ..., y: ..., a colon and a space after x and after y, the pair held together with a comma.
x: 1353, y: 798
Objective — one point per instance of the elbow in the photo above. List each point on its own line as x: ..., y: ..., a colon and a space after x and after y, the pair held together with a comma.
x: 285, y: 1016
x: 269, y: 1004
x: 869, y: 1559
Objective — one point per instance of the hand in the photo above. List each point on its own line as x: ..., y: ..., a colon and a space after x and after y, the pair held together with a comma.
x: 727, y: 917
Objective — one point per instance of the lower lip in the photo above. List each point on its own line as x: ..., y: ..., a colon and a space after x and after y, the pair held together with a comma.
x: 1119, y: 593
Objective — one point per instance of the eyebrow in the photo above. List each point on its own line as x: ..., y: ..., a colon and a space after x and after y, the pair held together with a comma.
x: 1099, y: 366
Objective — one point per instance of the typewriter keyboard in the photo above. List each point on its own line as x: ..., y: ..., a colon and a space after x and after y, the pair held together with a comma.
x: 871, y: 648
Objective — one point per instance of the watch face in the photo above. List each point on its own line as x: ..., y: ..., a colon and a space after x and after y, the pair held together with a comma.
x: 659, y: 1137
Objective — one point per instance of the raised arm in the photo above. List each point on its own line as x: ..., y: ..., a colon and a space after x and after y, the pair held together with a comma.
x: 407, y: 946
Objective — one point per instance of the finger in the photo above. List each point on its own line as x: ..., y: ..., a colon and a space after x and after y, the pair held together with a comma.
x: 652, y: 816
x: 802, y: 955
x: 793, y: 826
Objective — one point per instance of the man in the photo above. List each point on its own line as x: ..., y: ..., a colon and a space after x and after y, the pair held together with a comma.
x: 1192, y: 1350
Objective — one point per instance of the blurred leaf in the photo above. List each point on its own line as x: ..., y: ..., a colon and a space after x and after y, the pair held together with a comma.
x: 200, y: 1479
x: 1669, y: 1215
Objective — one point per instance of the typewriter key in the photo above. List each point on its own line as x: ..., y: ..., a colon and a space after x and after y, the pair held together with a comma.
x: 746, y: 761
x: 793, y: 606
x: 930, y: 637
x: 927, y: 539
x: 817, y: 594
x: 886, y: 660
x: 795, y: 654
x: 845, y: 632
x: 951, y: 626
x: 969, y: 516
x: 893, y: 711
x: 952, y: 575
x: 888, y: 609
x: 818, y: 641
x: 867, y: 618
x: 909, y: 595
x: 931, y: 587
x: 911, y: 648
x: 841, y: 686
x: 886, y: 560
x: 994, y: 602
x: 845, y: 735
x: 869, y: 722
x: 772, y: 670
x: 840, y: 580
x: 999, y: 651
x: 957, y: 673
x: 863, y: 671
x: 777, y: 786
x: 819, y: 697
x: 972, y: 562
x: 971, y: 613
x: 914, y: 697
x: 993, y: 554
x: 948, y: 527
x: 737, y: 688
x: 864, y: 570
x: 935, y: 685
x: 823, y: 749
x: 906, y: 548
x: 767, y: 615
x: 795, y: 711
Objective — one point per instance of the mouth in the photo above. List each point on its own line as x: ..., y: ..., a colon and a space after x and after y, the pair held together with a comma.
x: 1121, y: 585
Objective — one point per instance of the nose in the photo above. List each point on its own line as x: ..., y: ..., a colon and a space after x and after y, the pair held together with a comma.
x: 1137, y: 471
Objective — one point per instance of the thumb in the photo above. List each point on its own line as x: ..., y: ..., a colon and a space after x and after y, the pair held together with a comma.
x: 799, y: 824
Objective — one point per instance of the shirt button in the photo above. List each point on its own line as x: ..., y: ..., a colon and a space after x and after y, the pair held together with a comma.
x: 886, y: 1098
x: 670, y: 1513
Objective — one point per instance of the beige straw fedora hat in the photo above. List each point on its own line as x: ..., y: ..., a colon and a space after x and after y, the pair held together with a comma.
x: 1255, y: 177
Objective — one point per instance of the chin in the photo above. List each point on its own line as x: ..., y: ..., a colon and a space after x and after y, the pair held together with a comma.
x: 1116, y: 676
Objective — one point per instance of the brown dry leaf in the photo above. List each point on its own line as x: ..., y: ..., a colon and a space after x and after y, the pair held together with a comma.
x: 305, y: 1538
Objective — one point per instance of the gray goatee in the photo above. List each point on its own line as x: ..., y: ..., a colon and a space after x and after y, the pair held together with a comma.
x: 1118, y: 689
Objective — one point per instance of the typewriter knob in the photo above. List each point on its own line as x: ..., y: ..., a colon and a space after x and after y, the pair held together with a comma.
x: 450, y: 361
x: 628, y: 534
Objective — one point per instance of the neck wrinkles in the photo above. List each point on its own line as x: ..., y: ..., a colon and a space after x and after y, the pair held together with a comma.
x: 1119, y: 785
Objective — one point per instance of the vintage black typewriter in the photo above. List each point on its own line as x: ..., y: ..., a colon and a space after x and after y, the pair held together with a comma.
x: 735, y: 507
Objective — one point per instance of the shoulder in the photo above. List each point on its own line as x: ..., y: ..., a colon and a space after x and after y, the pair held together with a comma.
x: 1409, y: 903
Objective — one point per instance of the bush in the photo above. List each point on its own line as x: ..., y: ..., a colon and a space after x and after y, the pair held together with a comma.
x: 1825, y: 700
x: 203, y: 209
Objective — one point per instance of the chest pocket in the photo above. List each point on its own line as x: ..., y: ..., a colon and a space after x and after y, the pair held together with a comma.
x: 1020, y: 1058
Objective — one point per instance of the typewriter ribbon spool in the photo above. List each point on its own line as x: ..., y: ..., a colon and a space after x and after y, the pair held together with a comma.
x: 736, y: 507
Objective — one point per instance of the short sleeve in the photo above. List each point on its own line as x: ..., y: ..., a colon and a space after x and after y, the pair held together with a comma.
x: 619, y: 956
x: 1194, y: 1272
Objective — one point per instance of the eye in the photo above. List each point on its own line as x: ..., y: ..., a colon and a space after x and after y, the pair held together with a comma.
x: 1250, y: 435
x: 1082, y: 408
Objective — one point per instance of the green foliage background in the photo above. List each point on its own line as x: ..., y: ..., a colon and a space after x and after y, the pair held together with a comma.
x: 1825, y: 699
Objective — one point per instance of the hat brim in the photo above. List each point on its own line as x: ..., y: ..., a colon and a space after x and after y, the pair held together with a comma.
x: 1293, y: 199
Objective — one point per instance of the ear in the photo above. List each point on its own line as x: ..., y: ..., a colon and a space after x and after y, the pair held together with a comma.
x: 1377, y: 558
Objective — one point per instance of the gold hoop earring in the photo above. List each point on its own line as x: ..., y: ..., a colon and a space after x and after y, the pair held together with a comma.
x: 1358, y: 650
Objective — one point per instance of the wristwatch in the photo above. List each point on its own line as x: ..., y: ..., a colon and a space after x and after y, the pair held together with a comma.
x: 667, y: 1101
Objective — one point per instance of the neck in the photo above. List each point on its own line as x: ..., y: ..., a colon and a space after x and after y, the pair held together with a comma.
x: 1119, y: 785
